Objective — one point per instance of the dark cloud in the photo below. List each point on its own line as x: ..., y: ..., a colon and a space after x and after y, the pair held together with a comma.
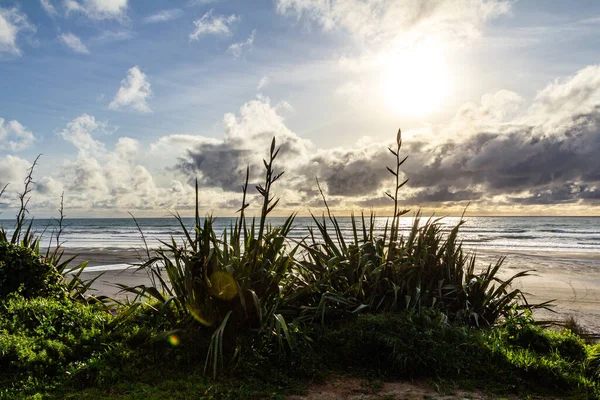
x: 381, y: 201
x: 514, y: 162
x: 217, y: 165
x: 441, y: 195
x: 354, y: 173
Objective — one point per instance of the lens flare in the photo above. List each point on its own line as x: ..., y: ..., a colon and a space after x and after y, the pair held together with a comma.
x: 204, y: 314
x: 224, y: 285
x: 173, y: 340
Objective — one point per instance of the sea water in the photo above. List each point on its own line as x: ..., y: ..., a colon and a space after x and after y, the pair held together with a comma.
x: 540, y: 234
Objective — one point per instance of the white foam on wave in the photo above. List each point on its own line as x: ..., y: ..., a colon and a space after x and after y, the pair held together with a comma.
x: 109, y: 267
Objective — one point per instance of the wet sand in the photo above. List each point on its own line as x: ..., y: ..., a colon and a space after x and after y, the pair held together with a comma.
x: 571, y: 279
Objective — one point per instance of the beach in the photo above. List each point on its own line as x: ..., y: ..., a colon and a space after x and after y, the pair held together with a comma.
x: 569, y: 278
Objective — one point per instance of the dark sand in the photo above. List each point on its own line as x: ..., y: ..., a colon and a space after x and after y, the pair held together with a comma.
x: 572, y: 279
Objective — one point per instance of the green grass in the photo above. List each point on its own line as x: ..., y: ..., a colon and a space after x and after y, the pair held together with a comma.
x: 76, y: 351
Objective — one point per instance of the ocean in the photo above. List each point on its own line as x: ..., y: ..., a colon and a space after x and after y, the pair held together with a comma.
x: 540, y: 234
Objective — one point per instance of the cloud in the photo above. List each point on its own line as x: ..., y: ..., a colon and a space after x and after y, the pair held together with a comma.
x: 74, y: 43
x: 113, y: 36
x: 103, y: 178
x: 192, y: 3
x: 48, y: 7
x: 262, y: 83
x: 133, y: 93
x: 236, y: 49
x: 222, y: 163
x: 385, y: 20
x: 14, y: 136
x: 213, y: 25
x: 79, y: 132
x: 12, y: 171
x: 498, y: 152
x: 12, y: 23
x: 98, y: 9
x: 502, y: 151
x: 546, y: 154
x: 164, y: 16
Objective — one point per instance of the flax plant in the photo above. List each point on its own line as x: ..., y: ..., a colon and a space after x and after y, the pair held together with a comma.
x: 25, y: 236
x: 424, y: 269
x: 230, y: 285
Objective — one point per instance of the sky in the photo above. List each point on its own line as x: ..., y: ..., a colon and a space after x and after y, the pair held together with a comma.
x: 129, y: 101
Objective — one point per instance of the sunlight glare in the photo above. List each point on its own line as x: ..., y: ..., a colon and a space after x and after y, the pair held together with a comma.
x: 415, y: 81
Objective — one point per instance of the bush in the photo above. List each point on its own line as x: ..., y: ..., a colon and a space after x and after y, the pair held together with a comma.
x: 38, y: 336
x: 524, y: 333
x: 23, y: 271
x: 404, y: 344
x: 46, y: 342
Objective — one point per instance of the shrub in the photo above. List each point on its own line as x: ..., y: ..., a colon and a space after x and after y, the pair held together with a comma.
x: 425, y: 269
x: 524, y: 333
x: 405, y: 344
x: 22, y: 270
x: 46, y: 342
x: 40, y: 336
x: 230, y: 285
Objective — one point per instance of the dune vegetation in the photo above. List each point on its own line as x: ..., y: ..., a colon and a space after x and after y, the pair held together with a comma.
x: 251, y: 313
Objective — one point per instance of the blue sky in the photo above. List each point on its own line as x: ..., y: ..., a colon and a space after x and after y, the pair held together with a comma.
x: 128, y: 100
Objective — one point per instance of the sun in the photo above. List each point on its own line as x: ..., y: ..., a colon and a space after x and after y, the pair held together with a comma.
x: 415, y: 81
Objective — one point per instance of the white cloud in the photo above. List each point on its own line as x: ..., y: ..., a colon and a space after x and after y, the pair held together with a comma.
x: 74, y: 43
x: 213, y: 25
x: 113, y: 36
x: 14, y: 136
x: 112, y: 179
x: 564, y: 98
x: 192, y: 3
x: 79, y: 132
x: 236, y: 49
x: 262, y: 83
x: 164, y: 15
x: 12, y: 170
x: 98, y: 9
x: 133, y: 93
x: 384, y: 20
x: 48, y: 7
x: 12, y: 23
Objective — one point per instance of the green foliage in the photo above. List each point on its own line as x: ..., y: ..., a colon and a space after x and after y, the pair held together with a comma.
x: 424, y: 269
x: 23, y: 267
x: 24, y: 271
x: 230, y: 285
x: 408, y: 344
x: 40, y: 336
x: 47, y: 343
x: 524, y: 333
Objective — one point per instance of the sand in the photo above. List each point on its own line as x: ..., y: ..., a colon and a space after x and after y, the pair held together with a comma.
x: 571, y: 279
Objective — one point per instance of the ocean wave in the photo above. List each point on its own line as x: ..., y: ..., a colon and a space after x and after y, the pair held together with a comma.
x: 570, y: 231
x: 517, y: 237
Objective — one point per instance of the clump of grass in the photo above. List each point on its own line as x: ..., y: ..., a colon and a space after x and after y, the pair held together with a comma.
x: 229, y: 285
x: 392, y: 273
x: 22, y: 263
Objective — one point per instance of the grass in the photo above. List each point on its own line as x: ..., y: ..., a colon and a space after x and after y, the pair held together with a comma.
x: 252, y: 314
